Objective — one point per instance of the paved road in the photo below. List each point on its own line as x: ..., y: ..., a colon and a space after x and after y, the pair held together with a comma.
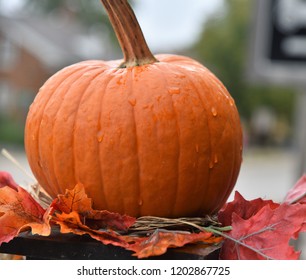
x: 265, y: 173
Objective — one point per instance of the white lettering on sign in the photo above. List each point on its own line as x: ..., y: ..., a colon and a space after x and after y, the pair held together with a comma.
x: 295, y: 46
x: 290, y: 15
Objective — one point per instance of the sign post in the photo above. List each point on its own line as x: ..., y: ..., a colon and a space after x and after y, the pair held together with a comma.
x: 278, y: 55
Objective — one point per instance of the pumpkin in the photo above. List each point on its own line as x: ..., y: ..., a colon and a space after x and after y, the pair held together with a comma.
x: 149, y: 135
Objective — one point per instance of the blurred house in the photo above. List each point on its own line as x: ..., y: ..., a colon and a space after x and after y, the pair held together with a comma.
x: 32, y: 49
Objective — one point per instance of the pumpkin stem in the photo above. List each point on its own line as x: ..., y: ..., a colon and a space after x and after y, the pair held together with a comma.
x: 132, y: 42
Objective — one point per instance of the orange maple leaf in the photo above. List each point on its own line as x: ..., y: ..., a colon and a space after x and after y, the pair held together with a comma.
x: 71, y: 223
x: 158, y: 243
x: 76, y: 200
x: 18, y: 211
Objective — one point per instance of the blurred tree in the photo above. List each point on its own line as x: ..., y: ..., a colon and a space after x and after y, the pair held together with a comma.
x: 88, y: 12
x: 223, y: 47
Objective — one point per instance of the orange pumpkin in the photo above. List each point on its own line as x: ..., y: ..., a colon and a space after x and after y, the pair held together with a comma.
x: 147, y: 136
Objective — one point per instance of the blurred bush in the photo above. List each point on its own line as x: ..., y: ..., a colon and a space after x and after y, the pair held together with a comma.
x: 11, y: 130
x: 223, y: 47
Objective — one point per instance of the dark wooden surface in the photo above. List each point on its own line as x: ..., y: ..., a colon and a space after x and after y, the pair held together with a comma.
x: 73, y: 247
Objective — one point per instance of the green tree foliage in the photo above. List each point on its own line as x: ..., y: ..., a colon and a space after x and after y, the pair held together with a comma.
x: 223, y: 48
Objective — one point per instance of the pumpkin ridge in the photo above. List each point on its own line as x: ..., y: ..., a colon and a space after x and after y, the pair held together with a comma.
x: 130, y: 81
x: 208, y: 126
x: 178, y: 157
x: 56, y: 119
x: 183, y: 72
x: 165, y: 82
x: 236, y: 161
x: 102, y: 185
x: 94, y: 77
x: 233, y: 165
x: 177, y: 69
x: 74, y: 72
x: 209, y: 185
x: 230, y: 181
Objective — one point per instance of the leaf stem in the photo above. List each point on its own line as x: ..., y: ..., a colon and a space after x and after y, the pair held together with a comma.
x: 218, y: 232
x: 227, y: 228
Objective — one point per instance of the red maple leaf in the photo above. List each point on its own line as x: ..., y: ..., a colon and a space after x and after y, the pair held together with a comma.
x: 243, y: 208
x: 6, y: 180
x: 298, y: 193
x: 265, y: 235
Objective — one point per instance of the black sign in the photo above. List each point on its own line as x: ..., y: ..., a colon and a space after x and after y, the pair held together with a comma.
x: 288, y: 32
x: 278, y: 46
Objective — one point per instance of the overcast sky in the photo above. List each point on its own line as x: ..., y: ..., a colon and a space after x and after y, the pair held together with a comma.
x: 167, y: 24
x: 170, y: 24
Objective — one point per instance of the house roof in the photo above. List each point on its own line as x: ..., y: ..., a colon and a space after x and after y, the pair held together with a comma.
x: 55, y: 42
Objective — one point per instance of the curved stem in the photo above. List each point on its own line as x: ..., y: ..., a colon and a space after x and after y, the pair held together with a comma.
x: 132, y: 42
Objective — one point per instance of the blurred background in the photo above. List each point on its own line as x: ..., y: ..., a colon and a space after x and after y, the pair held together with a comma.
x: 39, y: 37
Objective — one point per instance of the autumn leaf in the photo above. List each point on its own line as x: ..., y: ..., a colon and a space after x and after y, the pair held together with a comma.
x: 108, y: 220
x: 6, y: 180
x: 243, y: 208
x: 18, y: 210
x: 155, y: 244
x: 298, y: 193
x: 200, y: 249
x: 74, y: 200
x: 77, y: 200
x: 71, y: 223
x: 40, y: 227
x: 143, y: 247
x: 265, y: 235
x: 158, y: 243
x: 256, y: 229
